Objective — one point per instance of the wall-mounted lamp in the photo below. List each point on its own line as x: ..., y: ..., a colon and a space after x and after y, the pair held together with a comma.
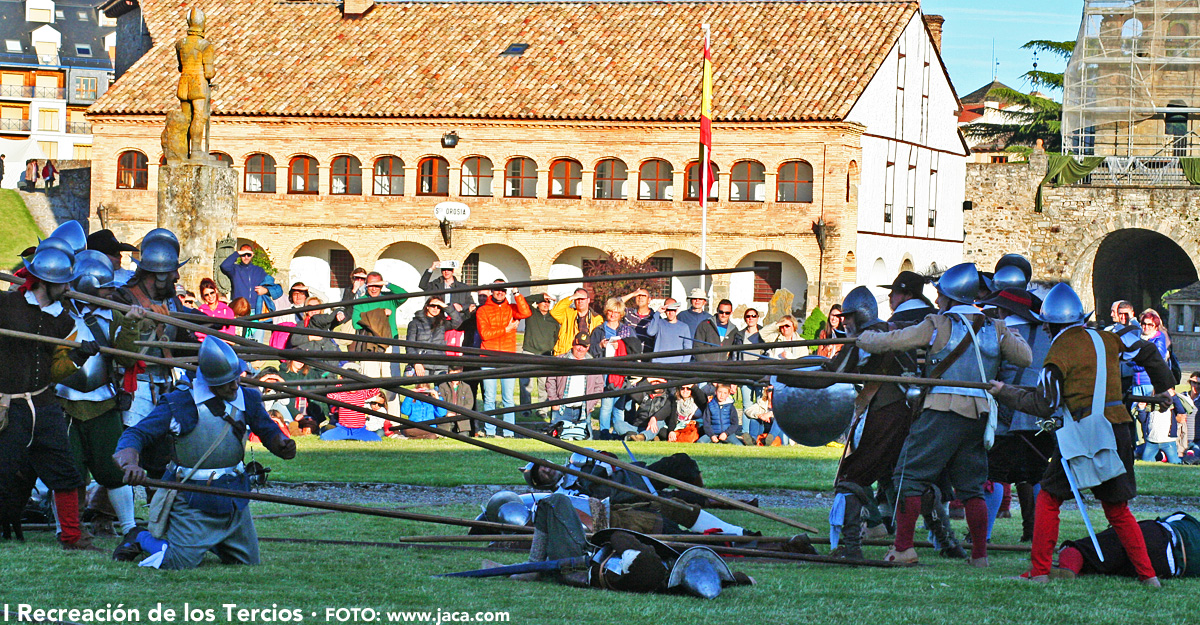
x: 450, y: 139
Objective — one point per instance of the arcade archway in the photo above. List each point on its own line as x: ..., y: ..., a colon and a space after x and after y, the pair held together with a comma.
x: 1138, y: 265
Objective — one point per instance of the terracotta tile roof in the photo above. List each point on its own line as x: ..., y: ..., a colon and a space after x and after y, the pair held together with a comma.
x: 775, y: 60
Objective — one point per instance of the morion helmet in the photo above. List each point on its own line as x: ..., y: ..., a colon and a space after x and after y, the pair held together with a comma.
x: 1062, y: 306
x: 960, y: 283
x: 218, y: 363
x: 861, y: 305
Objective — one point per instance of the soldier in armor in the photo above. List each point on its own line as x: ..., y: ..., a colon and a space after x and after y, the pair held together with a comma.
x: 196, y: 68
x: 1094, y: 429
x: 1019, y: 456
x: 33, y: 428
x: 953, y: 431
x: 209, y: 423
x: 89, y: 396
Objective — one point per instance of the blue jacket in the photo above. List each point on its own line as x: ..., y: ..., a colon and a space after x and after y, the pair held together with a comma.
x: 244, y: 278
x: 179, y: 407
x: 417, y: 410
x: 669, y: 337
x: 720, y: 417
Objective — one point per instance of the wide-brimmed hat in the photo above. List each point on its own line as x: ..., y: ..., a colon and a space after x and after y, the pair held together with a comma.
x: 907, y: 281
x: 106, y: 242
x: 1019, y: 302
x: 698, y: 293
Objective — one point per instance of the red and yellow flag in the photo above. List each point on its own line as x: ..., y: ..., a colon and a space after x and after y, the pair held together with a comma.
x: 706, y: 104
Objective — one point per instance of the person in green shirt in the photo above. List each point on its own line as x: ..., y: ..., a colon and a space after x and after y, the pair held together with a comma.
x: 374, y: 368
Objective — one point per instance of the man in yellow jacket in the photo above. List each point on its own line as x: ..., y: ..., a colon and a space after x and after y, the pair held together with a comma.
x: 574, y: 316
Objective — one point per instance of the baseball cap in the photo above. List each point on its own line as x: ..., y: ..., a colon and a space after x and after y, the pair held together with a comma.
x: 583, y: 339
x: 448, y: 264
x: 672, y: 306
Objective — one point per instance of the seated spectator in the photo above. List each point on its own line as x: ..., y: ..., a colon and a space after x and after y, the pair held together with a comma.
x: 351, y: 424
x: 1161, y: 431
x: 418, y: 411
x: 211, y: 305
x: 381, y: 426
x: 652, y: 415
x: 760, y: 421
x: 460, y: 394
x: 241, y: 308
x: 831, y: 329
x: 573, y: 421
x: 722, y: 424
x: 319, y: 320
x: 787, y: 328
x: 689, y: 413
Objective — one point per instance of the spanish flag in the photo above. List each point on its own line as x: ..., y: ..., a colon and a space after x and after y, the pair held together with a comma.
x: 705, y: 121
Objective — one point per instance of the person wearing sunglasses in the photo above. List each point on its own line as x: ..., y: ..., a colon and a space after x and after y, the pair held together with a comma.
x: 718, y: 330
x: 211, y: 305
x: 751, y: 334
x: 788, y: 330
x: 250, y: 281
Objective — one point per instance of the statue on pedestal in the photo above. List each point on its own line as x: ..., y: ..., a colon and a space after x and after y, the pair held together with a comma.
x: 196, y: 69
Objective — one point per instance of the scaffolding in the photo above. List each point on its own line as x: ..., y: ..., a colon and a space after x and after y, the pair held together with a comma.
x: 1131, y: 91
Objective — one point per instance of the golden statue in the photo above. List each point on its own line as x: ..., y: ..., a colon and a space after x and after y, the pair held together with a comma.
x: 196, y: 71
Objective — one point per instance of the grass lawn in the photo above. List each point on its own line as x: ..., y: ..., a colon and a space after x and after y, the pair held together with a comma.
x: 19, y: 230
x: 312, y: 578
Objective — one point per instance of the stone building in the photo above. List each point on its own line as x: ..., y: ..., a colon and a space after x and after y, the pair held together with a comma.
x: 569, y: 129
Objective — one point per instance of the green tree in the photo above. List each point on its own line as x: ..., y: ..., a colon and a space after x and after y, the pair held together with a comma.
x: 1031, y: 117
x: 616, y: 264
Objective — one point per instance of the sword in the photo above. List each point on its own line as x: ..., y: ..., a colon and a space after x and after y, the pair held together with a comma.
x: 525, y: 567
x: 1087, y: 522
x: 644, y: 478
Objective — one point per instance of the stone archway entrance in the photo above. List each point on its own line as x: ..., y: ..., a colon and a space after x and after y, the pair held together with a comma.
x: 1138, y: 265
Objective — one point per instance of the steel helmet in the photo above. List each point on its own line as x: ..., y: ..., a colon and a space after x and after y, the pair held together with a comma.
x: 50, y: 265
x: 1018, y: 261
x: 960, y: 283
x: 159, y: 256
x: 93, y: 271
x: 1010, y: 277
x: 699, y: 572
x: 161, y: 233
x: 491, y: 510
x: 218, y: 364
x: 71, y: 232
x: 513, y: 513
x: 860, y: 304
x: 1062, y: 306
x: 57, y: 243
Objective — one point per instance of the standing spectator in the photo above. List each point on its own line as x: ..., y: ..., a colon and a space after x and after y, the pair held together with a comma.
x: 1161, y: 431
x: 250, y: 281
x: 212, y: 306
x: 689, y: 415
x: 418, y: 410
x: 613, y: 338
x: 296, y: 297
x: 2, y: 166
x: 49, y: 174
x: 358, y: 284
x: 670, y: 334
x: 831, y: 329
x: 696, y: 314
x: 639, y: 316
x: 787, y: 332
x: 1152, y: 332
x: 429, y: 326
x: 751, y: 335
x: 458, y: 301
x: 575, y: 418
x: 717, y: 330
x: 541, y: 332
x: 319, y: 320
x: 722, y: 424
x: 378, y: 318
x: 497, y: 321
x: 460, y: 394
x: 32, y: 171
x: 574, y: 315
x: 1192, y: 396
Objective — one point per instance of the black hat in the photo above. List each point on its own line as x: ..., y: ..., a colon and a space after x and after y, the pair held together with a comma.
x: 105, y: 242
x: 584, y: 339
x: 908, y: 281
x: 1019, y: 302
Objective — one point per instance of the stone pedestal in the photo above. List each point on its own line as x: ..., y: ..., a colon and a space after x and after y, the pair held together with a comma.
x: 198, y: 202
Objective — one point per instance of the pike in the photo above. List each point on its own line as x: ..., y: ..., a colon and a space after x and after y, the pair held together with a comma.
x: 564, y: 564
x: 473, y: 414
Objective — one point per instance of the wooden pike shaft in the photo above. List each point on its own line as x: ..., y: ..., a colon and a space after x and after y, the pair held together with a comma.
x: 473, y: 414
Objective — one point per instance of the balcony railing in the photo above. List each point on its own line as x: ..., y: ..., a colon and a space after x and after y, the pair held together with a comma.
x: 50, y: 93
x: 1137, y: 171
x: 16, y: 91
x: 14, y: 125
x: 79, y: 128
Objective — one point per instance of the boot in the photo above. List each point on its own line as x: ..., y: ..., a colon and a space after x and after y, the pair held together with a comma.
x: 128, y: 549
x: 850, y: 546
x: 937, y: 521
x: 1025, y: 500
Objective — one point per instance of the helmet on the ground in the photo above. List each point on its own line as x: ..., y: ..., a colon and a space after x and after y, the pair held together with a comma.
x: 491, y: 510
x: 93, y: 271
x: 860, y: 304
x: 1062, y: 306
x: 513, y: 513
x: 960, y: 283
x: 50, y: 264
x: 218, y: 363
x: 71, y: 232
x: 159, y: 256
x: 1010, y: 277
x: 699, y: 572
x: 1018, y: 261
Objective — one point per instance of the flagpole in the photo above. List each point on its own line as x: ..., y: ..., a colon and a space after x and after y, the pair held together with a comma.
x: 705, y: 148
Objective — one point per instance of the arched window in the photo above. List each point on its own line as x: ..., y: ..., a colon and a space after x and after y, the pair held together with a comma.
x: 851, y: 179
x: 345, y: 176
x: 565, y: 178
x: 131, y: 170
x: 222, y: 157
x: 389, y: 176
x: 476, y: 177
x: 611, y: 176
x: 795, y: 183
x: 302, y: 175
x: 520, y: 178
x: 692, y: 179
x: 747, y: 182
x: 655, y: 178
x: 433, y: 176
x: 1131, y: 31
x: 260, y: 174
